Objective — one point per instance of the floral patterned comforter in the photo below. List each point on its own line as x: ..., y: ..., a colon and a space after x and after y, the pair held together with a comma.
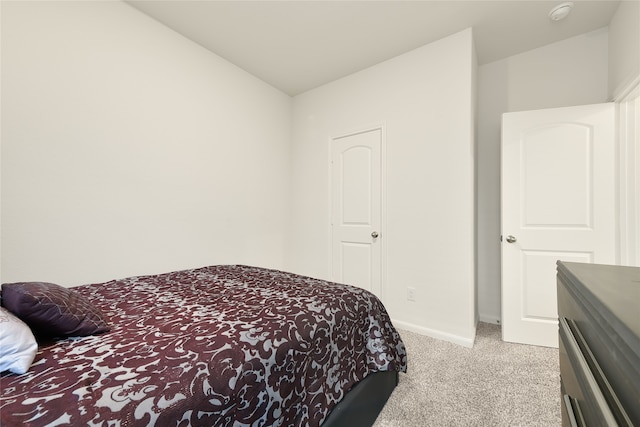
x: 214, y: 346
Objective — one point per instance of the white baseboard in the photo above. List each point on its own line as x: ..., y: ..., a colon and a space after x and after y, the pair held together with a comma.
x: 445, y: 336
x: 486, y: 318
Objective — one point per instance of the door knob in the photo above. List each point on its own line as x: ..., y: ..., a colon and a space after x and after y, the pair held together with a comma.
x: 374, y: 234
x: 511, y: 239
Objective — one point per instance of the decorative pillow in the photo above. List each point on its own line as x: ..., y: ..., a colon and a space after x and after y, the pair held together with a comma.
x: 18, y: 346
x: 51, y: 310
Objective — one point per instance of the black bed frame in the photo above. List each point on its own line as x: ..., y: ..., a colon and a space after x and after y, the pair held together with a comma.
x: 361, y: 406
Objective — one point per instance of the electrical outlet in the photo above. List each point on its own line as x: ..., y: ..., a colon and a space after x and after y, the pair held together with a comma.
x: 411, y: 294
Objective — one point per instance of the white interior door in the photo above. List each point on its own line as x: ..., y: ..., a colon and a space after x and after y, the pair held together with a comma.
x: 558, y: 203
x: 356, y: 210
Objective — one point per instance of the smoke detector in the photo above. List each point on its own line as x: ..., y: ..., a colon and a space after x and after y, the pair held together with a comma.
x: 561, y: 11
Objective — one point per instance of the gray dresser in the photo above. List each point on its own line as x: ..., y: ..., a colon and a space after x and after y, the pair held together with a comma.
x: 599, y: 316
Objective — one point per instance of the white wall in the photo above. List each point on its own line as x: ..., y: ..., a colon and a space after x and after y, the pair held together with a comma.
x: 570, y: 72
x: 624, y: 48
x: 424, y: 100
x: 127, y: 149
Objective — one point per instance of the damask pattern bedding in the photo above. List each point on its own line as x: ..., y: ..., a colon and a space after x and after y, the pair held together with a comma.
x: 214, y: 346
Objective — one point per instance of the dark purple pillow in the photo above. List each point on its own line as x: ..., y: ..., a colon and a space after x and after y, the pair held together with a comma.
x: 52, y: 310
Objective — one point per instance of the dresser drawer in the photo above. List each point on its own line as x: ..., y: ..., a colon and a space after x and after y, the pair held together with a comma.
x: 583, y: 402
x: 599, y: 323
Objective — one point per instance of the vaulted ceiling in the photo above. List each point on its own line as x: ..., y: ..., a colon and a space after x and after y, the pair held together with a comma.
x: 297, y: 45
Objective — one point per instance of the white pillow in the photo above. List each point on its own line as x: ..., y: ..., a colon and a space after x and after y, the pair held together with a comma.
x: 18, y: 346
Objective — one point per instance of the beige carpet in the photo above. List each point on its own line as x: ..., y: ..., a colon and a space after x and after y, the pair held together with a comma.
x: 492, y: 384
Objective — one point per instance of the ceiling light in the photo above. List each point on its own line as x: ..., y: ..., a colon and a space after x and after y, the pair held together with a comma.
x: 561, y: 11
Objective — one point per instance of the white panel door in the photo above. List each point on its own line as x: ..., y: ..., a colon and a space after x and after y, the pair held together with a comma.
x: 356, y: 209
x: 558, y: 203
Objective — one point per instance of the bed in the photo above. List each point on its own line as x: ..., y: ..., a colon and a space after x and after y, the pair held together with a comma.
x: 224, y: 345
